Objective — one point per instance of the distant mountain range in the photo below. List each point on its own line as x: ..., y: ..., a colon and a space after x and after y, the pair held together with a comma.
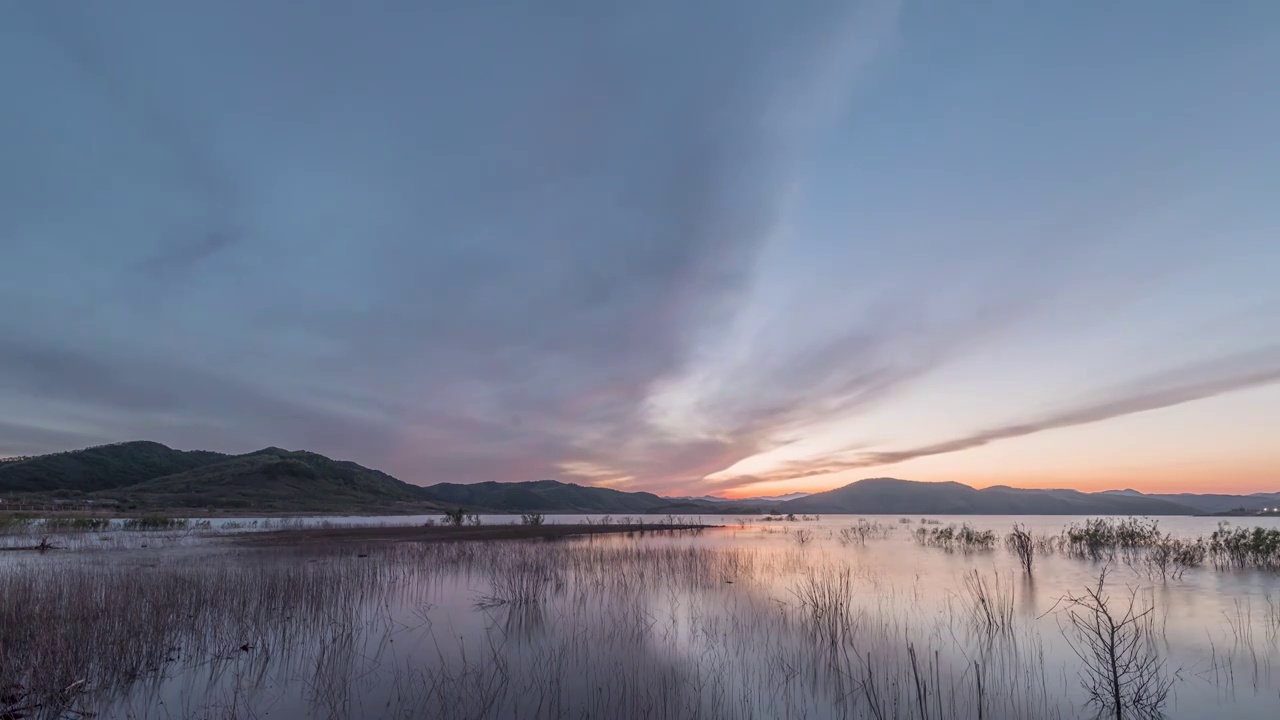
x: 556, y: 497
x: 1209, y: 504
x: 893, y: 496
x: 755, y: 499
x: 148, y: 475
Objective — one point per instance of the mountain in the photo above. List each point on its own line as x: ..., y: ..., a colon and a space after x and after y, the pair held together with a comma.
x: 136, y: 475
x: 905, y: 497
x: 275, y: 479
x: 1209, y: 503
x: 557, y: 497
x: 142, y: 475
x: 100, y: 468
x: 757, y: 500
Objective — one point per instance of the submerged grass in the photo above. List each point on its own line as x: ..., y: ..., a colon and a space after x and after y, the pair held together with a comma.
x: 590, y: 628
x: 1101, y: 538
x: 989, y: 603
x: 964, y: 538
x: 646, y: 627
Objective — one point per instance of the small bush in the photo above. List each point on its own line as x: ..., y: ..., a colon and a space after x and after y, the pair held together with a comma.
x: 532, y: 519
x: 1236, y: 547
x: 862, y: 531
x: 1021, y: 543
x: 455, y: 517
x: 1171, y: 557
x: 1123, y: 673
x: 1101, y: 537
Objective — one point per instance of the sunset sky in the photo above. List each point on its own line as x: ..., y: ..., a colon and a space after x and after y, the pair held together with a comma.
x: 729, y: 247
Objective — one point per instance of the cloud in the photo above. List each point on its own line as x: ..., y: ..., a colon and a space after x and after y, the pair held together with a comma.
x: 21, y: 439
x: 499, y: 243
x: 456, y: 276
x: 161, y: 122
x: 1174, y: 387
x: 113, y: 396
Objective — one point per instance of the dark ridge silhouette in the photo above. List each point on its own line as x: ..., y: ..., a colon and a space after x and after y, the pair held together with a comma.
x: 893, y: 496
x: 148, y: 474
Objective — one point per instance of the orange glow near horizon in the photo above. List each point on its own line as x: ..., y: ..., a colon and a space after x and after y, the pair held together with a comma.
x: 1197, y: 478
x: 1190, y: 448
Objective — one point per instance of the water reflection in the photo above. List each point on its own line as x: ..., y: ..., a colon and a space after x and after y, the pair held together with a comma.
x: 737, y: 622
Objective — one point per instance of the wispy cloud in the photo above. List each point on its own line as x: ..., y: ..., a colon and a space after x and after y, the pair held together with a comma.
x: 638, y: 244
x: 1175, y: 387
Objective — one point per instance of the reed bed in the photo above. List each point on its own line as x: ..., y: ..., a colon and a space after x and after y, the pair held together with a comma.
x: 568, y: 629
x: 645, y: 627
x: 964, y: 538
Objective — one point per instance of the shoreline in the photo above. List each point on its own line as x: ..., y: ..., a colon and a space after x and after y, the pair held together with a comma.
x: 444, y: 533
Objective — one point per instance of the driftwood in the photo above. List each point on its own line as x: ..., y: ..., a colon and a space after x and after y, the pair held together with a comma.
x: 43, y: 546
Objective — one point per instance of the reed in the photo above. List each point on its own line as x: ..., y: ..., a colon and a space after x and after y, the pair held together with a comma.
x: 988, y: 603
x: 1022, y: 544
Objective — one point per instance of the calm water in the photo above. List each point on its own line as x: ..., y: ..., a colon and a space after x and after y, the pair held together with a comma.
x: 713, y: 624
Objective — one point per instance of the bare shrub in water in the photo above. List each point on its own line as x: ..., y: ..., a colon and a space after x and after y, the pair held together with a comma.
x: 1100, y: 538
x: 1122, y: 669
x: 1170, y: 557
x: 532, y: 518
x: 863, y: 531
x: 1022, y: 544
x: 1237, y: 547
x: 455, y: 517
x: 802, y: 537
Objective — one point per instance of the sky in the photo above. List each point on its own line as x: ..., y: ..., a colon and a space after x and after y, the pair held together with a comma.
x: 733, y: 247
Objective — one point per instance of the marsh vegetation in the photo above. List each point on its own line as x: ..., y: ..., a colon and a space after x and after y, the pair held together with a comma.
x: 857, y: 620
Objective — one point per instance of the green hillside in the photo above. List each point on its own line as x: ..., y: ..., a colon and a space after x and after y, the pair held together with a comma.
x: 278, y: 480
x: 100, y: 468
x: 553, y: 496
x: 139, y: 475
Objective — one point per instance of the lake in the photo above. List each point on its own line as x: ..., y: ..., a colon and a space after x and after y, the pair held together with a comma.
x: 804, y: 619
